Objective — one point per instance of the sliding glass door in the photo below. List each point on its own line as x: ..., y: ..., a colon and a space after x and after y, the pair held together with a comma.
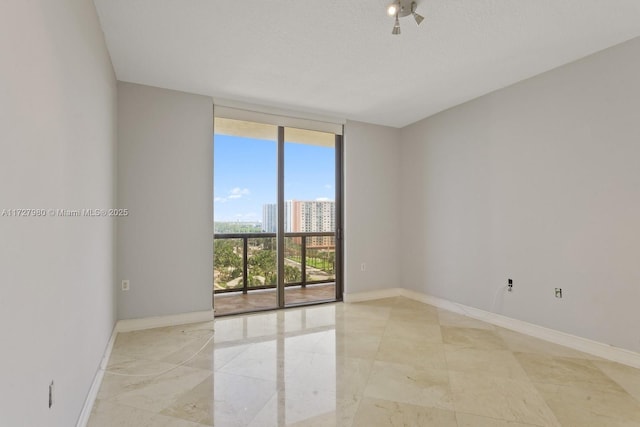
x: 310, y: 216
x: 277, y: 213
x: 245, y: 180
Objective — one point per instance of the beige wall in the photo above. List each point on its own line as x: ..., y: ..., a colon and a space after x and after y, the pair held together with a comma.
x: 371, y: 201
x: 57, y: 151
x: 165, y: 179
x: 540, y: 183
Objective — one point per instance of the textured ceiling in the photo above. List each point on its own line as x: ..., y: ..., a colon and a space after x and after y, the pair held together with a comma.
x: 338, y: 58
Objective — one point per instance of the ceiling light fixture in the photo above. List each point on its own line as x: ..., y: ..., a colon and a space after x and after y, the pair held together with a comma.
x: 401, y: 8
x: 396, y: 27
x: 419, y: 18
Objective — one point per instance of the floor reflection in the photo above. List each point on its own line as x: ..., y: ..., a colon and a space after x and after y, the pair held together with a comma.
x: 381, y: 363
x: 291, y: 352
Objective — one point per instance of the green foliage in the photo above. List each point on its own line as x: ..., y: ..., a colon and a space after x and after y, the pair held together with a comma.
x: 291, y: 248
x: 227, y: 261
x: 253, y: 281
x: 324, y: 260
x: 263, y: 263
x: 292, y: 274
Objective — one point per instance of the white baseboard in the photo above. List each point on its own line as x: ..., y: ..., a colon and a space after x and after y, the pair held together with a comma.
x: 605, y: 351
x: 371, y: 295
x: 83, y: 419
x: 129, y: 325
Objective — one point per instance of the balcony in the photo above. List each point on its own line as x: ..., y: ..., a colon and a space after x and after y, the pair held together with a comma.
x: 245, y: 270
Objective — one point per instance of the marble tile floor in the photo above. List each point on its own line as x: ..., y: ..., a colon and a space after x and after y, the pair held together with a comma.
x: 389, y: 362
x: 233, y: 303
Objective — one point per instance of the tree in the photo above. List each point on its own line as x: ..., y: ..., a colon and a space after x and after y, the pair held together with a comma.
x: 226, y: 261
x: 263, y: 263
x: 292, y: 274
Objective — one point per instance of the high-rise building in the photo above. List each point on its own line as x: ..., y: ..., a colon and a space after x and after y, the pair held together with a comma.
x: 304, y: 217
x: 316, y: 215
x: 270, y: 217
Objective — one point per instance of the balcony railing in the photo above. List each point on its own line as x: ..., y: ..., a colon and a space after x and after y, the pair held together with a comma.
x: 248, y: 261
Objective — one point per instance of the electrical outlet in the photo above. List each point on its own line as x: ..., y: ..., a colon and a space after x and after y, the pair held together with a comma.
x: 51, y: 394
x: 363, y: 267
x: 558, y: 292
x: 125, y: 285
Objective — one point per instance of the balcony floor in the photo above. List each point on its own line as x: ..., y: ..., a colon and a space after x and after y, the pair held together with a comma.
x: 233, y: 303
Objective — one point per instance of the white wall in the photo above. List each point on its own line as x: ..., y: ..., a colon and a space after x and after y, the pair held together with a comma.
x: 539, y: 182
x: 371, y: 199
x: 165, y: 179
x: 57, y: 151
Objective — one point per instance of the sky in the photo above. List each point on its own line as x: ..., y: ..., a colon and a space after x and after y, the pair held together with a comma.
x: 245, y: 175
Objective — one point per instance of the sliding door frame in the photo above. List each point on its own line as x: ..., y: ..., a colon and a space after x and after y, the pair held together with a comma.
x: 337, y: 232
x: 283, y: 122
x: 280, y: 229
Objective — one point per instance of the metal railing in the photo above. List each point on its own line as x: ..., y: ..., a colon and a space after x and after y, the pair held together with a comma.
x: 301, y: 239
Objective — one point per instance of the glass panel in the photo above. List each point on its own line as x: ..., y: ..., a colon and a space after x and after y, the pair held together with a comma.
x: 245, y: 175
x: 227, y: 264
x: 309, y: 186
x: 321, y: 259
x: 245, y: 181
x: 292, y: 261
x: 262, y: 262
x: 246, y: 216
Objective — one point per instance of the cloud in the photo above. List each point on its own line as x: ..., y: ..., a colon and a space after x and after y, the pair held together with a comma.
x: 328, y: 186
x: 237, y: 193
x: 323, y: 199
x: 234, y: 193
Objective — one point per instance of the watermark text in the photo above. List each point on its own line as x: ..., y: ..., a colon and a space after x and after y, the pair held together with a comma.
x: 85, y: 212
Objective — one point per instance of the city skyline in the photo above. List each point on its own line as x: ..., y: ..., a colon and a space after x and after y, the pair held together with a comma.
x: 301, y: 216
x: 245, y: 176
